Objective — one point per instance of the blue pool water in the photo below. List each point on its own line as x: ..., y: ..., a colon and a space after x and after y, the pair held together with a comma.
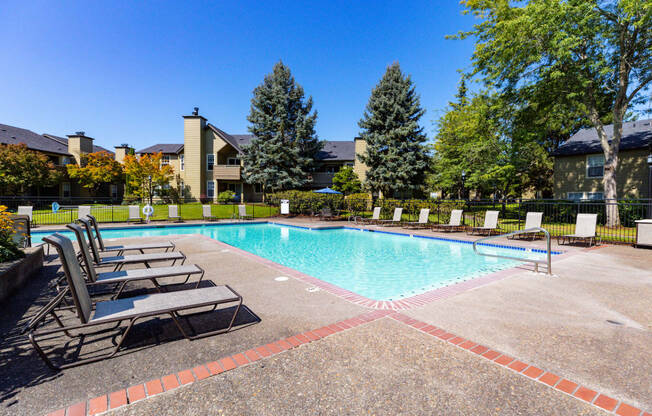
x: 376, y: 265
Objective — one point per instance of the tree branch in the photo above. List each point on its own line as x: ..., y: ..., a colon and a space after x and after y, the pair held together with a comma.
x: 640, y: 86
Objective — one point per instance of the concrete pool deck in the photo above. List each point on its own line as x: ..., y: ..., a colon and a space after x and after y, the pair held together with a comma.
x: 591, y: 324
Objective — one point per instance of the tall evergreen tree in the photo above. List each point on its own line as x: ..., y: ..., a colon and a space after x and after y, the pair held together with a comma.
x: 396, y: 153
x: 285, y: 143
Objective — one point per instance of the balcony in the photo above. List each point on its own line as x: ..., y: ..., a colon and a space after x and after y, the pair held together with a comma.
x: 227, y: 172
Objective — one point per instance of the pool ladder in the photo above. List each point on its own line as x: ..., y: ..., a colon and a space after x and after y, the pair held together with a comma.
x: 536, y: 262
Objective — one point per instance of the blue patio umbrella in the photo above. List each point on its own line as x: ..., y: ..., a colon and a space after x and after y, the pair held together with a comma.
x: 326, y: 191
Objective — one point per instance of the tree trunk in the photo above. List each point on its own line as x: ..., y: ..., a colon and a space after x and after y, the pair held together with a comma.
x: 610, y: 192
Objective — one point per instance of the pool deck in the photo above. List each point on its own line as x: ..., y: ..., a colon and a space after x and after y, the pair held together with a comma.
x: 524, y: 343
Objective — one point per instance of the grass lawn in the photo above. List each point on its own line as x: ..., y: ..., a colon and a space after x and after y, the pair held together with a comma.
x: 120, y: 213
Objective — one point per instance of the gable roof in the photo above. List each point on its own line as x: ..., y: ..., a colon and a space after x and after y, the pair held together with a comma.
x: 337, y: 151
x: 64, y: 141
x: 34, y: 141
x: 170, y: 148
x: 636, y: 135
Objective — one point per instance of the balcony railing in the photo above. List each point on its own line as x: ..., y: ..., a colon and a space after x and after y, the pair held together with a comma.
x: 231, y: 172
x: 322, y: 178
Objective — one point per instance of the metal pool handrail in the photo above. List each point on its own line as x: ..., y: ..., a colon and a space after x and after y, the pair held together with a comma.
x: 536, y: 262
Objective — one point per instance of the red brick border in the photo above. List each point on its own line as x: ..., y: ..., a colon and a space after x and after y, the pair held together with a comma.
x: 173, y: 381
x: 552, y: 380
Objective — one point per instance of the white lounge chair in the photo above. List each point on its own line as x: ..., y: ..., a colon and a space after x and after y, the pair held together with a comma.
x: 26, y: 210
x: 532, y: 220
x: 207, y: 214
x: 83, y: 211
x: 134, y: 214
x: 242, y: 213
x: 374, y: 217
x: 585, y: 227
x: 424, y: 214
x: 490, y: 224
x: 173, y: 213
x: 396, y: 219
x: 454, y: 222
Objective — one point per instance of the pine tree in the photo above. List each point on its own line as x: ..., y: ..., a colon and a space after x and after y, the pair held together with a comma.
x: 396, y: 154
x: 285, y: 144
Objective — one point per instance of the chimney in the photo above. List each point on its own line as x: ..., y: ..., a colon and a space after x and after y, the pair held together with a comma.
x: 123, y: 150
x: 194, y: 149
x: 78, y: 144
x: 358, y: 167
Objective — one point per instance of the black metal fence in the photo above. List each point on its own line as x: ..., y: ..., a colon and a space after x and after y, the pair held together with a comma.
x: 558, y: 215
x: 110, y: 210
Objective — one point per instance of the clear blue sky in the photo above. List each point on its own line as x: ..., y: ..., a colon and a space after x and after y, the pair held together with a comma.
x: 127, y: 71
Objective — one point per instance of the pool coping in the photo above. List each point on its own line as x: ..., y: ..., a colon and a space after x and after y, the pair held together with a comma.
x: 406, y: 303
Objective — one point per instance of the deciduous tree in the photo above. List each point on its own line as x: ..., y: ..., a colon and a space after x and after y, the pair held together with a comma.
x: 21, y: 169
x: 577, y: 49
x: 95, y: 170
x: 139, y: 170
x: 346, y: 181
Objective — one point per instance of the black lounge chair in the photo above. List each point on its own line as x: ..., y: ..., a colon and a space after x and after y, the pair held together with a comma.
x: 119, y: 261
x: 91, y: 315
x: 91, y: 221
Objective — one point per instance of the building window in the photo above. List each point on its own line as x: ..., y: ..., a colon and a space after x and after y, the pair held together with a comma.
x: 182, y: 161
x: 210, y: 189
x: 233, y: 161
x: 585, y: 196
x: 258, y: 188
x: 182, y: 188
x: 65, y: 160
x: 236, y: 188
x: 165, y: 160
x: 114, y: 191
x: 210, y: 161
x: 65, y: 187
x: 594, y: 166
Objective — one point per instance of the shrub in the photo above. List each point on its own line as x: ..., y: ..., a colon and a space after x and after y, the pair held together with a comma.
x: 307, y: 202
x: 226, y: 197
x: 9, y: 249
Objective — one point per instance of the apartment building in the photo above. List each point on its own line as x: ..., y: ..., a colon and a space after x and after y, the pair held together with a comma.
x: 61, y: 151
x: 209, y: 161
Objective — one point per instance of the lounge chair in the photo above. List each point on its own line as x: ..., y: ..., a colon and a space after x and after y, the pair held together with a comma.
x: 532, y: 220
x: 585, y: 227
x: 173, y: 213
x: 83, y: 211
x: 134, y: 214
x: 206, y: 212
x: 131, y: 309
x: 242, y: 213
x: 325, y: 214
x: 454, y: 222
x: 123, y: 277
x: 90, y: 222
x: 120, y: 261
x: 490, y: 224
x: 374, y: 217
x: 26, y: 210
x: 396, y: 219
x: 424, y: 214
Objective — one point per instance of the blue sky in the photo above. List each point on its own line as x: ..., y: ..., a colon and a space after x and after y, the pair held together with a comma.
x: 127, y: 71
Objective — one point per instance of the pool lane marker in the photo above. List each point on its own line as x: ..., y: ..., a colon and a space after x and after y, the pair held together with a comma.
x: 133, y: 394
x: 558, y: 383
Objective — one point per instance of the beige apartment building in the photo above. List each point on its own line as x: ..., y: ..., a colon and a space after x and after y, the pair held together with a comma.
x: 579, y: 164
x: 209, y: 161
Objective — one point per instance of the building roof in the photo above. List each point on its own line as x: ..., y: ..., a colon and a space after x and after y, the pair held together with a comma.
x: 337, y: 151
x: 636, y: 135
x: 170, y: 148
x: 64, y: 141
x: 34, y: 141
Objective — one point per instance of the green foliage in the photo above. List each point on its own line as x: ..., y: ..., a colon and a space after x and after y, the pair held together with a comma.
x: 396, y: 153
x: 138, y: 170
x: 594, y: 58
x: 307, y: 202
x: 21, y: 169
x: 283, y: 123
x: 346, y: 181
x: 9, y: 249
x: 226, y: 197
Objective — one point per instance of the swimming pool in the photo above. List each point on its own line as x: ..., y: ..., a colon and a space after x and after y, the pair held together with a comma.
x: 376, y: 265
